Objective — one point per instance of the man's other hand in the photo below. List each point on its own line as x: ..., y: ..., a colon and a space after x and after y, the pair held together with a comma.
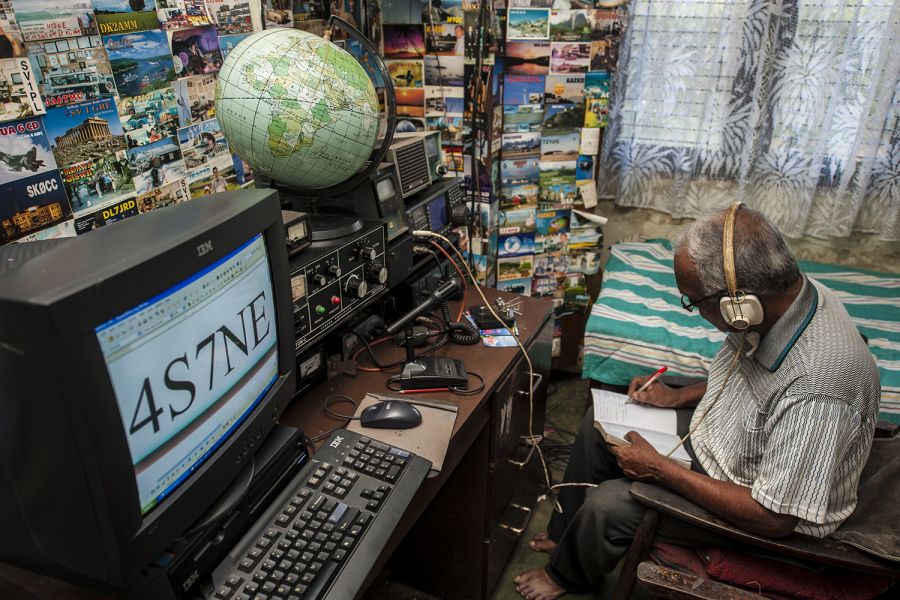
x: 658, y: 394
x: 639, y: 460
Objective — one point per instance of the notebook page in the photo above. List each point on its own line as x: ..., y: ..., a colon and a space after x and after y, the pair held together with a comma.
x: 610, y: 407
x: 663, y: 442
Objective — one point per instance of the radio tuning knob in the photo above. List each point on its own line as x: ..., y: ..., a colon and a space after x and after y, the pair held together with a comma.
x: 320, y: 279
x: 368, y: 252
x: 459, y: 215
x: 334, y: 269
x: 356, y: 286
x: 375, y: 271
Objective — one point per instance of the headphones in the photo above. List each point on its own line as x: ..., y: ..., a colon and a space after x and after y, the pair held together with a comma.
x: 739, y: 309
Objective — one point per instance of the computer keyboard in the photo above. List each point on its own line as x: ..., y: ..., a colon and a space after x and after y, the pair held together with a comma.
x: 324, y: 533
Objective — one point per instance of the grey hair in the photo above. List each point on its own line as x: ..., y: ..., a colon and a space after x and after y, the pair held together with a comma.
x: 762, y: 260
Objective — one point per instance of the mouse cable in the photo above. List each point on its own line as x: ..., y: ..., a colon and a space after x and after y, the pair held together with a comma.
x: 430, y: 234
x: 340, y: 398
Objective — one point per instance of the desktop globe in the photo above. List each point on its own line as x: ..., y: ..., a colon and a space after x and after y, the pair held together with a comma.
x: 297, y: 108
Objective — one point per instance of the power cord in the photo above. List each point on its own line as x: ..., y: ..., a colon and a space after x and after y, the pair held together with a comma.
x: 533, y: 439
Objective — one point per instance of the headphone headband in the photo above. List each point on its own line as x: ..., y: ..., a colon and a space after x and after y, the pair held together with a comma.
x: 728, y: 249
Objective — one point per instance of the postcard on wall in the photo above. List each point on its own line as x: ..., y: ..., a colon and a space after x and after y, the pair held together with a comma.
x: 19, y: 91
x: 596, y: 84
x: 571, y: 25
x: 523, y: 89
x: 517, y: 145
x: 564, y: 88
x: 411, y: 102
x: 202, y: 143
x: 141, y: 62
x: 522, y: 118
x: 12, y: 45
x: 228, y: 42
x: 515, y: 267
x: 515, y: 245
x: 527, y: 24
x: 54, y: 232
x: 596, y: 113
x: 243, y: 172
x: 32, y: 203
x: 125, y: 16
x: 552, y: 221
x: 406, y: 73
x: 590, y: 142
x: 451, y: 11
x: 110, y: 213
x: 520, y: 171
x: 584, y: 168
x: 404, y: 41
x: 304, y: 11
x: 72, y: 70
x: 444, y: 70
x: 521, y: 286
x: 212, y: 178
x: 530, y: 3
x: 559, y: 118
x: 560, y: 146
x: 195, y: 51
x: 89, y: 145
x: 544, y: 287
x: 550, y: 265
x: 445, y: 39
x: 608, y: 24
x: 278, y: 13
x: 24, y: 150
x: 604, y: 55
x: 235, y: 16
x: 149, y: 117
x: 443, y: 100
x: 562, y: 172
x: 172, y: 193
x: 195, y: 99
x: 527, y: 58
x: 517, y: 220
x: 51, y: 19
x: 179, y: 14
x: 156, y: 164
x: 569, y: 57
x: 519, y: 196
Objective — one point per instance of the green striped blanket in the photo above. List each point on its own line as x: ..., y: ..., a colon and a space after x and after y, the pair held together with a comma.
x: 638, y: 325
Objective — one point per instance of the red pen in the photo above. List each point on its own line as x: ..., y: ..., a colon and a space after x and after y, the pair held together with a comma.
x: 653, y: 378
x: 443, y: 389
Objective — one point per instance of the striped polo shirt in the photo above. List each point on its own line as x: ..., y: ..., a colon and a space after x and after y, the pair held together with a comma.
x: 796, y: 420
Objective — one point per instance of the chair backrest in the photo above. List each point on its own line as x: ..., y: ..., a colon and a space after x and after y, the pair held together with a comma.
x: 875, y: 524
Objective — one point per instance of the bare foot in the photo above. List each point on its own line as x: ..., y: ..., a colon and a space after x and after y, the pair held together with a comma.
x: 537, y: 585
x: 542, y: 543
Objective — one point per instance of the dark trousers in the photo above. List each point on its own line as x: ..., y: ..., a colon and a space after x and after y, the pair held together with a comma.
x: 596, y: 525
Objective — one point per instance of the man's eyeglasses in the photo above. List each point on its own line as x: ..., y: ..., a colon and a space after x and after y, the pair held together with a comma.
x: 689, y: 306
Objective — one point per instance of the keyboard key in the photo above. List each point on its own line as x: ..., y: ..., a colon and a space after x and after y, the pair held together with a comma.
x: 277, y: 575
x: 284, y: 590
x: 392, y: 473
x: 314, y: 546
x: 322, y: 580
x: 379, y: 446
x: 317, y: 503
x: 223, y: 593
x: 337, y: 513
x: 272, y: 534
x: 268, y: 587
x: 364, y: 440
x: 340, y: 492
x: 313, y: 482
x: 339, y: 555
x: 247, y: 565
x: 362, y: 518
x: 399, y: 452
x: 251, y: 588
x: 372, y: 505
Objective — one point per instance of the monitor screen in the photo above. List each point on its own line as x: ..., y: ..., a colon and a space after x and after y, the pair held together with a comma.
x: 437, y: 212
x: 190, y: 364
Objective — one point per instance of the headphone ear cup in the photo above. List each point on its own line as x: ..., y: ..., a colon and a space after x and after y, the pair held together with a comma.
x: 740, y: 313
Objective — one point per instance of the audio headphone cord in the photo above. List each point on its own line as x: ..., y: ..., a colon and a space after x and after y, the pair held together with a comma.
x: 731, y: 368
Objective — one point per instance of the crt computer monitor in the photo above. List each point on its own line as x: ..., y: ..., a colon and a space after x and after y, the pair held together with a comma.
x: 141, y: 365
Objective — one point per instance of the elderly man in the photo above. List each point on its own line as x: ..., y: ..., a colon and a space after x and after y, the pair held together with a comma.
x: 781, y: 430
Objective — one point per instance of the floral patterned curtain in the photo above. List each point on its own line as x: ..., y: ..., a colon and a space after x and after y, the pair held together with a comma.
x: 792, y: 106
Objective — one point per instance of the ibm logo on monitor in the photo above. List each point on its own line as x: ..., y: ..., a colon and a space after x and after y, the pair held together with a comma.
x: 204, y: 248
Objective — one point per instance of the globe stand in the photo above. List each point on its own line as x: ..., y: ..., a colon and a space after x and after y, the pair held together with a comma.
x: 330, y: 222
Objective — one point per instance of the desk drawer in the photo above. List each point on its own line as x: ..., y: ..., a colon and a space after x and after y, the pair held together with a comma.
x: 514, y: 518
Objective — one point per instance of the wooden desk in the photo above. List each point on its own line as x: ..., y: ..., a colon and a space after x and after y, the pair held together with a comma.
x: 463, y: 524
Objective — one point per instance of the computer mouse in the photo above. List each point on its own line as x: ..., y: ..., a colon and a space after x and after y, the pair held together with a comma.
x: 391, y: 414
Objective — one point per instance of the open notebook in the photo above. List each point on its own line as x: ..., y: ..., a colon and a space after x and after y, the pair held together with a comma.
x: 613, y: 418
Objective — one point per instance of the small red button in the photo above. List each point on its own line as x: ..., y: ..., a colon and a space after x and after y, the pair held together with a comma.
x: 335, y: 300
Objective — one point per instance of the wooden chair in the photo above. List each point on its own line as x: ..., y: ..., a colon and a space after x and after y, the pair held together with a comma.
x: 668, y: 583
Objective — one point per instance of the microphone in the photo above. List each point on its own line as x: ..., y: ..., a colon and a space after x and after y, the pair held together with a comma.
x: 442, y: 293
